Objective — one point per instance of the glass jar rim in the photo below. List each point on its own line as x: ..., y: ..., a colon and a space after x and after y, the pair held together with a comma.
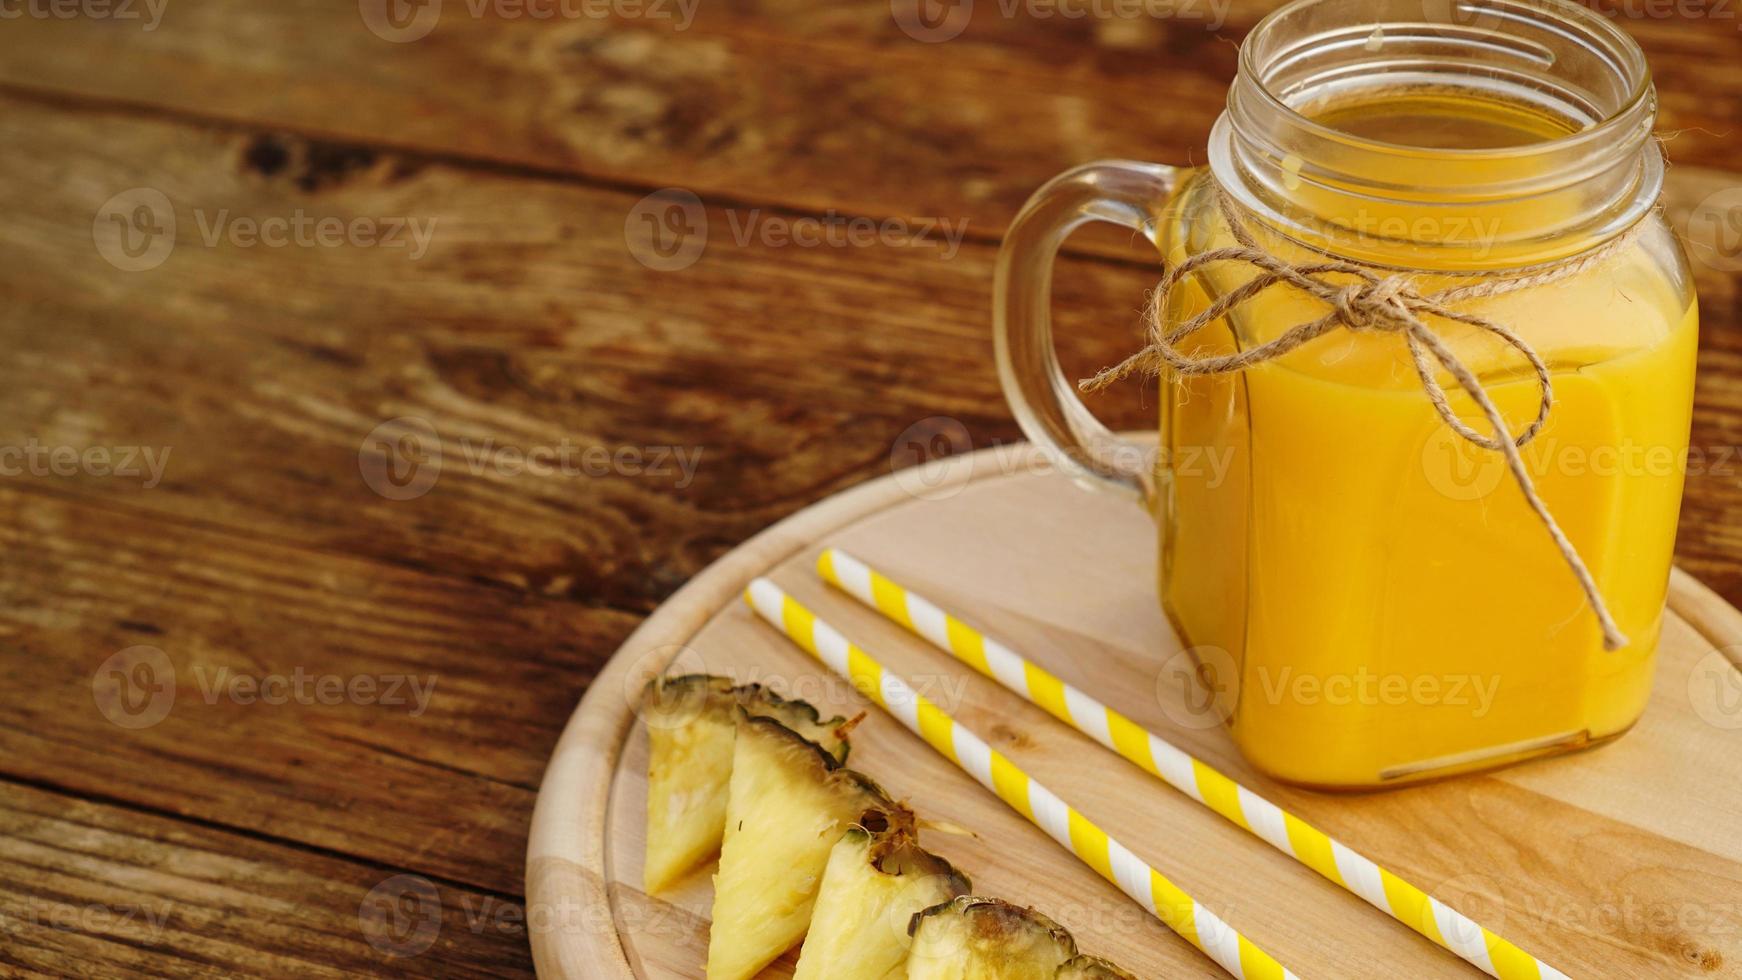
x: 1640, y: 94
x: 1593, y: 173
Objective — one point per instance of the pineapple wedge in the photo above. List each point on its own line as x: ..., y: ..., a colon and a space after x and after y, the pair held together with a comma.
x: 1092, y: 968
x: 873, y: 885
x: 790, y: 802
x: 985, y: 939
x: 691, y: 727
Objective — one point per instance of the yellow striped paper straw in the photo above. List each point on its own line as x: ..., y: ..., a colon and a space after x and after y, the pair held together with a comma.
x: 1043, y: 808
x: 1284, y: 831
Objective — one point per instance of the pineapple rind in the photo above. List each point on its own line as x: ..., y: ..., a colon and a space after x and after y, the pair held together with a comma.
x: 971, y: 938
x: 1092, y: 968
x: 871, y: 888
x: 691, y: 729
x: 789, y: 804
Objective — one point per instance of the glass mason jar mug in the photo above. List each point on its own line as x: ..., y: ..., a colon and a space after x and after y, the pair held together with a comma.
x: 1455, y: 202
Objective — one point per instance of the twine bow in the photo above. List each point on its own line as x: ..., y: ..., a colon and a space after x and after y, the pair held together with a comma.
x: 1389, y: 304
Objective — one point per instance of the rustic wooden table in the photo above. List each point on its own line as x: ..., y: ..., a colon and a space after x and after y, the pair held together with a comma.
x: 352, y: 416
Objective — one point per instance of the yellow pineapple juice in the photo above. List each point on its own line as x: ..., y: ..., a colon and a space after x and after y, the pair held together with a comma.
x: 1389, y: 604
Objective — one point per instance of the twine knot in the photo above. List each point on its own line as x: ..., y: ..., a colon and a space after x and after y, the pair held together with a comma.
x: 1374, y: 306
x: 1371, y: 303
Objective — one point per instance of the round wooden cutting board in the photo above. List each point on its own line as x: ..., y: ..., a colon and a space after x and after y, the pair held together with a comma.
x: 1624, y: 861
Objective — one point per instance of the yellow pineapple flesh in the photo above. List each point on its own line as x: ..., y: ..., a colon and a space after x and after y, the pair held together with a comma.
x: 872, y: 887
x: 1092, y: 968
x: 789, y: 804
x: 691, y: 729
x: 985, y: 939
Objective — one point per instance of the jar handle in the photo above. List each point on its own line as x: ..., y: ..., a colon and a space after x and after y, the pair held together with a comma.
x: 1119, y: 192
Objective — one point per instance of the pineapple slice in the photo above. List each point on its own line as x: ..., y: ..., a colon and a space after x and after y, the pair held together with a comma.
x: 871, y: 889
x: 691, y: 728
x: 1092, y: 968
x: 985, y: 939
x: 789, y: 804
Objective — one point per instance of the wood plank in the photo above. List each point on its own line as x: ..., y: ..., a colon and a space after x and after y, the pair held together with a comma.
x: 89, y: 889
x: 528, y: 324
x: 370, y: 710
x: 726, y: 103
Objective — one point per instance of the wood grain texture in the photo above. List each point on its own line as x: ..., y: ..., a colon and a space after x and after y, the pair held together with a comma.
x: 92, y: 889
x: 1577, y: 859
x: 432, y: 762
x: 527, y: 323
x: 726, y: 102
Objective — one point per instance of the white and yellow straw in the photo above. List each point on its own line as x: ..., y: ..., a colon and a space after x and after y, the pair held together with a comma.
x: 1284, y: 831
x: 1043, y: 808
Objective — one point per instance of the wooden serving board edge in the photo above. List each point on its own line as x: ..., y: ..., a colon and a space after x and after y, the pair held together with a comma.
x: 567, y: 871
